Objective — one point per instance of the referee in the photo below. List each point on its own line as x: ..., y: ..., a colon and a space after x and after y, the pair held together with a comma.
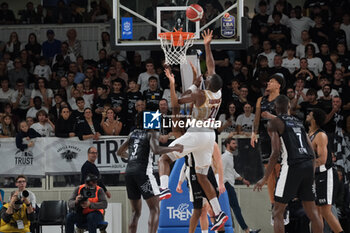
x: 89, y: 167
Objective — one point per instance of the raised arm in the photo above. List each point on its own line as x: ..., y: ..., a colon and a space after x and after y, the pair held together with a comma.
x: 255, y: 131
x: 207, y: 37
x: 173, y: 97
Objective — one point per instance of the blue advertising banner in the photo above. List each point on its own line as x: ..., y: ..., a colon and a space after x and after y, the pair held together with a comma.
x: 126, y: 28
x: 175, y: 213
x: 228, y: 25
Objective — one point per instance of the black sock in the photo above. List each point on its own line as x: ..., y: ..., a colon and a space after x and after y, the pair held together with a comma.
x: 221, y: 231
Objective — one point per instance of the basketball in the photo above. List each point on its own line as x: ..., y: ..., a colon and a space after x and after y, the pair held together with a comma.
x: 194, y: 12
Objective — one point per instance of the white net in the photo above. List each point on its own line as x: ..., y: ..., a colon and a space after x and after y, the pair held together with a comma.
x: 175, y: 53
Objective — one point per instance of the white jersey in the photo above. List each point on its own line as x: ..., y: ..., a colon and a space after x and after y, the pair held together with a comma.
x: 210, y: 107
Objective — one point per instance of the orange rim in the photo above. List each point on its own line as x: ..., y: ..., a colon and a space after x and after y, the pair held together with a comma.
x: 176, y: 35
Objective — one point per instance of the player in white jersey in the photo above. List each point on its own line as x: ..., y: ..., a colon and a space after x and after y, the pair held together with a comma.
x: 199, y: 141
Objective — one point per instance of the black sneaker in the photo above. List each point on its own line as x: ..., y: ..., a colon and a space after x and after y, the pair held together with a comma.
x: 164, y: 194
x: 220, y: 220
x: 254, y: 231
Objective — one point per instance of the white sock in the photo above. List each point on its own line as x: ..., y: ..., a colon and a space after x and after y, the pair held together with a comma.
x: 215, y: 205
x: 164, y: 181
x: 204, y: 231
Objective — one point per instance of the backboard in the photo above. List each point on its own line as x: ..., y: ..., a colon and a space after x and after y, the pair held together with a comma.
x: 136, y: 24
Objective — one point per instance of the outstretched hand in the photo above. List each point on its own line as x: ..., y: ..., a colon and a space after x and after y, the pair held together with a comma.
x: 197, y: 80
x: 207, y: 36
x: 258, y: 186
x: 169, y: 75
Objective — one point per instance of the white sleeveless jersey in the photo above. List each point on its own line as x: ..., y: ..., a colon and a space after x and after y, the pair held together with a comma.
x: 210, y: 107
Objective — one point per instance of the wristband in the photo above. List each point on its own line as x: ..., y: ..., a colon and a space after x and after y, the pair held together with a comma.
x: 217, y: 178
x: 193, y: 88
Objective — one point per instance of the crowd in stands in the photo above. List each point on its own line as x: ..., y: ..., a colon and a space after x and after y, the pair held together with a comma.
x: 74, y: 12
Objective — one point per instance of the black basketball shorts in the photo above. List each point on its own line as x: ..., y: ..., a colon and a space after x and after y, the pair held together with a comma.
x: 141, y: 184
x: 295, y: 181
x: 324, y: 183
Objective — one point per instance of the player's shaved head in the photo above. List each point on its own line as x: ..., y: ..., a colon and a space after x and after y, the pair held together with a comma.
x: 215, y: 83
x: 282, y: 104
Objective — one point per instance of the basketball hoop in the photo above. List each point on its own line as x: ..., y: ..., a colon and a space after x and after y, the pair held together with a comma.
x: 175, y: 45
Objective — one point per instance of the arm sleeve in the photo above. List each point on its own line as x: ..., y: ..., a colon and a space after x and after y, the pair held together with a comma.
x: 19, y: 142
x: 102, y: 201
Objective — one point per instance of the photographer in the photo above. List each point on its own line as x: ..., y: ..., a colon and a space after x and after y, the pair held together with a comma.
x: 16, y: 215
x: 88, y: 202
x: 21, y: 184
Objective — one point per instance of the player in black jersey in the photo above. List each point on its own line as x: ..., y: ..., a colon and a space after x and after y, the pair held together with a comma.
x: 264, y: 112
x: 288, y: 138
x: 139, y: 177
x: 324, y: 170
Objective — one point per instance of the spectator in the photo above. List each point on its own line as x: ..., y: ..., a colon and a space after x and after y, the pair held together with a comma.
x: 103, y: 63
x: 64, y: 126
x: 54, y: 111
x: 105, y: 43
x: 3, y: 69
x: 298, y: 24
x: 241, y: 100
x: 78, y: 77
x: 21, y: 184
x: 278, y: 33
x: 120, y: 72
x: 344, y: 56
x: 18, y: 73
x: 140, y: 106
x: 37, y: 106
x: 277, y: 68
x: 305, y: 73
x: 26, y: 61
x: 88, y: 93
x: 59, y: 71
x: 5, y: 91
x: 41, y: 90
x: 17, y: 210
x: 79, y: 112
x: 82, y: 65
x: 68, y: 57
x: 268, y: 53
x: 44, y: 126
x: 301, y: 48
x: 89, y: 167
x: 262, y: 71
x: 291, y: 62
x: 29, y: 16
x: 29, y: 121
x: 72, y: 101
x: 334, y: 117
x: 88, y: 127
x: 244, y: 123
x: 101, y: 13
x: 24, y: 136
x: 61, y: 13
x: 337, y: 83
x: 7, y: 128
x: 269, y: 6
x: 324, y: 52
x: 118, y: 98
x: 345, y: 26
x: 6, y: 15
x: 74, y: 45
x: 153, y: 94
x: 327, y: 92
x: 336, y: 35
x: 33, y: 47
x: 315, y: 64
x: 7, y: 59
x: 109, y: 124
x: 328, y: 69
x: 14, y: 46
x: 42, y: 70
x: 143, y: 79
x: 253, y: 51
x: 318, y: 33
x: 87, y: 211
x: 132, y: 96
x: 101, y: 100
x: 21, y: 98
x: 310, y: 103
x: 228, y: 120
x: 51, y: 46
x: 259, y: 23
